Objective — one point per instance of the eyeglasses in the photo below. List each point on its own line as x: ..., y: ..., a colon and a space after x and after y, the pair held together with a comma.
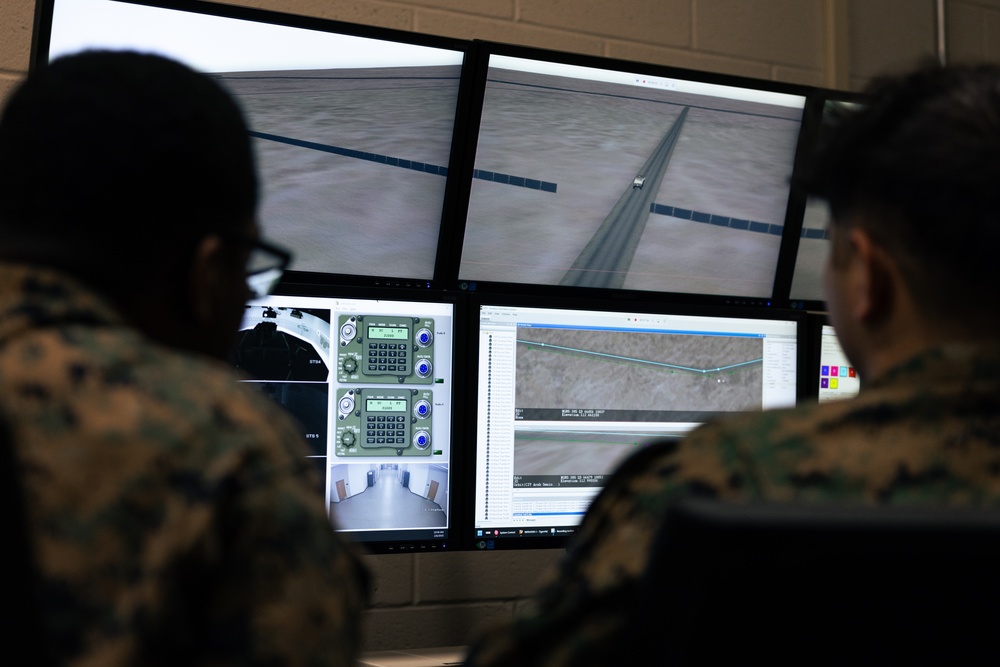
x: 265, y: 266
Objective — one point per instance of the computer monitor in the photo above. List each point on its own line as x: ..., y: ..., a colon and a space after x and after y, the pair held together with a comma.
x: 598, y: 173
x: 353, y: 125
x: 806, y: 289
x: 811, y: 255
x: 838, y: 378
x: 832, y: 376
x: 565, y: 393
x: 371, y: 382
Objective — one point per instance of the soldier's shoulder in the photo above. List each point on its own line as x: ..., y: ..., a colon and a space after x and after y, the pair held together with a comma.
x: 107, y: 382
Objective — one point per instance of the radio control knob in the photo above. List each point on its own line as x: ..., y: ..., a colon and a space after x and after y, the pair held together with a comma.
x: 347, y: 438
x: 350, y: 365
x: 421, y: 440
x: 346, y: 405
x: 422, y: 409
x: 347, y: 332
x: 424, y: 337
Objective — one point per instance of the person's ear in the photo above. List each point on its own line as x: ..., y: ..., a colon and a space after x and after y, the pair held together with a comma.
x: 207, y: 277
x: 874, y: 279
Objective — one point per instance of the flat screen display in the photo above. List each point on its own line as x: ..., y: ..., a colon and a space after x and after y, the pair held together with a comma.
x: 814, y: 239
x: 370, y: 382
x: 593, y: 177
x: 811, y: 256
x: 565, y: 395
x: 352, y: 126
x: 838, y: 378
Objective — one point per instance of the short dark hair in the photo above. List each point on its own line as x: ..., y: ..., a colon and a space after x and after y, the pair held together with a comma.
x: 108, y: 153
x: 921, y: 159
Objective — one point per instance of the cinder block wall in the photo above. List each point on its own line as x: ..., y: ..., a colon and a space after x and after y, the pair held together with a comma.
x: 443, y: 599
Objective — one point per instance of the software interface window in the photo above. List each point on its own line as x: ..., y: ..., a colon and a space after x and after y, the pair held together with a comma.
x: 600, y: 178
x: 370, y: 382
x: 565, y: 395
x: 370, y: 115
x: 837, y: 376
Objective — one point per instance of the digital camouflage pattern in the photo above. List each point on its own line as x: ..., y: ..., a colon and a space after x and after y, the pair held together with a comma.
x: 928, y: 432
x: 174, y: 515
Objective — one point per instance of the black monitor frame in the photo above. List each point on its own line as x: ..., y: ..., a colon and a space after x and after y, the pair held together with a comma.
x: 381, y: 273
x: 814, y: 330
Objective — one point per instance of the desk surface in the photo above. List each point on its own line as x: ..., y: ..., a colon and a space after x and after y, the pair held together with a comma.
x: 417, y: 657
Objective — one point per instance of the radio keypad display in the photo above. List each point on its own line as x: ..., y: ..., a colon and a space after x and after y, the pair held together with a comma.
x: 385, y: 350
x: 388, y: 358
x: 384, y: 422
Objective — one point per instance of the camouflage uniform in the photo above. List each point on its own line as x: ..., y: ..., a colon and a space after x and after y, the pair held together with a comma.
x: 926, y: 432
x: 175, y: 518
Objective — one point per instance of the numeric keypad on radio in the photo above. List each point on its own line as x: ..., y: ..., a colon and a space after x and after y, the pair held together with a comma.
x: 385, y: 358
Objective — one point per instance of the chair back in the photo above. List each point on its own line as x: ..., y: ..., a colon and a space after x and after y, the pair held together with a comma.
x: 819, y: 585
x: 21, y: 632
